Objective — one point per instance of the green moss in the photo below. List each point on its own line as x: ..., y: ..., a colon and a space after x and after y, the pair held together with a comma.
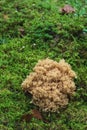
x: 33, y: 30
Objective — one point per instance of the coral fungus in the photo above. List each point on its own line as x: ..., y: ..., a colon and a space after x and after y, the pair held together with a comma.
x: 50, y: 84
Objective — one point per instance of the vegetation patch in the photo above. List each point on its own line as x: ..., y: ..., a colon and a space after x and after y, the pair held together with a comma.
x: 35, y: 30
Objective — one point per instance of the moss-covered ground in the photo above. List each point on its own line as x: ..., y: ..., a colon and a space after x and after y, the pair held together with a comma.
x: 35, y: 29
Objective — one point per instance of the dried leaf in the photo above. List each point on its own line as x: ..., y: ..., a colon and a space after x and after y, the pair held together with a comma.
x: 34, y: 114
x: 67, y: 9
x: 26, y: 117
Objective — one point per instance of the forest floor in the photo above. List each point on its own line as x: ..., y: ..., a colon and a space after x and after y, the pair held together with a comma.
x: 35, y: 29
